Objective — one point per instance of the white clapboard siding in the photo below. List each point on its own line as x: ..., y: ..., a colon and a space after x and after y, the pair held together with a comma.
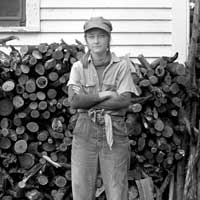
x: 106, y: 3
x: 150, y: 27
x: 113, y: 14
x: 134, y: 51
x: 118, y: 26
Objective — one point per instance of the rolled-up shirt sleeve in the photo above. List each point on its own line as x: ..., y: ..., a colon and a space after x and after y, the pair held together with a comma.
x: 75, y: 77
x: 84, y: 101
x: 124, y: 81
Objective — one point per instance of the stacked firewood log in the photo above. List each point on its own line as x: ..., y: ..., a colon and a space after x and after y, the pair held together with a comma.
x: 36, y: 122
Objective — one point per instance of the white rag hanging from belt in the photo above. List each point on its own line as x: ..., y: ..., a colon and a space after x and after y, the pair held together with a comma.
x: 109, y: 131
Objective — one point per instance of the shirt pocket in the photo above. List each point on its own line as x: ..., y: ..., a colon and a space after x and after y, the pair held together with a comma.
x: 83, y: 127
x: 109, y: 86
x: 89, y: 88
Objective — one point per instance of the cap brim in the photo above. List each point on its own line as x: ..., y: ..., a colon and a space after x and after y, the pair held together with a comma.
x: 97, y: 27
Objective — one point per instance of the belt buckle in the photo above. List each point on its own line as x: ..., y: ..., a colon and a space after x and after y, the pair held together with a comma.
x: 100, y: 117
x: 92, y: 115
x: 97, y: 116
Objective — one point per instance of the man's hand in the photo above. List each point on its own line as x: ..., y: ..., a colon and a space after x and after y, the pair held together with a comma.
x: 77, y: 89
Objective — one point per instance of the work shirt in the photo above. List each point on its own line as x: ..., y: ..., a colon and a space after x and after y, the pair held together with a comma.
x: 116, y: 77
x: 100, y: 71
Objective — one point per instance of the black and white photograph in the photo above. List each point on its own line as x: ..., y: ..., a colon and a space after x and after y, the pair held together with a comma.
x: 100, y: 100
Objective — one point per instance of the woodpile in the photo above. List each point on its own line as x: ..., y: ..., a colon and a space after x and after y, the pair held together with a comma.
x: 192, y: 177
x: 36, y: 122
x: 155, y: 120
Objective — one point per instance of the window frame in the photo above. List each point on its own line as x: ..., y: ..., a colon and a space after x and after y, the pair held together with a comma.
x: 32, y: 19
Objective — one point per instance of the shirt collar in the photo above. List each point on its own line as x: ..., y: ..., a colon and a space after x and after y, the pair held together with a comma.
x: 114, y: 58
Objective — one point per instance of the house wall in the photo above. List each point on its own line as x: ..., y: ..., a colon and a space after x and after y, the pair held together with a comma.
x: 150, y: 27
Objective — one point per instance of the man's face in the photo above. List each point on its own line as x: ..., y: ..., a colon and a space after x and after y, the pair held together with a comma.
x: 97, y: 40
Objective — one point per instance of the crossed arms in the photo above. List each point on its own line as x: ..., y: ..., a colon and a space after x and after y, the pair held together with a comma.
x: 108, y: 100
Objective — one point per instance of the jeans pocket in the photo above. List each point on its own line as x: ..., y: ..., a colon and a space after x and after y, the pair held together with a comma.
x: 119, y: 127
x: 84, y: 127
x: 120, y: 133
x: 77, y: 127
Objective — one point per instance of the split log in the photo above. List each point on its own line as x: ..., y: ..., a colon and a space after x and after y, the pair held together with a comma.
x: 32, y: 127
x: 20, y: 89
x: 25, y: 68
x: 36, y: 54
x: 9, y: 38
x: 18, y: 102
x: 32, y: 61
x: 23, y: 79
x: 20, y: 146
x: 43, y: 47
x: 6, y: 107
x: 39, y: 69
x: 26, y: 160
x: 8, y: 85
x: 49, y: 64
x: 5, y: 143
x: 41, y: 82
x: 60, y: 181
x: 42, y: 180
x: 27, y: 49
x: 30, y: 86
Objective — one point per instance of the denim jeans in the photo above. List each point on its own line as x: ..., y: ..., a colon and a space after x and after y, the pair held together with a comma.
x: 90, y: 151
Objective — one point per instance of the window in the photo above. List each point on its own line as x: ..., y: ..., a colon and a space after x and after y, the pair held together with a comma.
x: 12, y: 13
x: 19, y: 15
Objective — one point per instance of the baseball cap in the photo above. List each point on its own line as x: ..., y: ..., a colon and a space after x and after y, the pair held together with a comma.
x: 98, y: 22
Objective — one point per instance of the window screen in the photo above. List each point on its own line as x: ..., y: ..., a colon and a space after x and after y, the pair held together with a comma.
x: 12, y: 12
